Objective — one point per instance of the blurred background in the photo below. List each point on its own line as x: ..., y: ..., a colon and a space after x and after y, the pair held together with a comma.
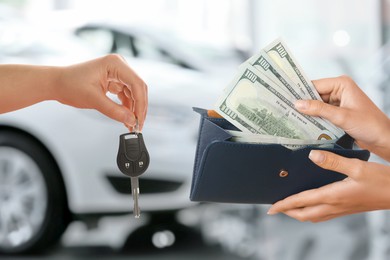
x: 61, y: 194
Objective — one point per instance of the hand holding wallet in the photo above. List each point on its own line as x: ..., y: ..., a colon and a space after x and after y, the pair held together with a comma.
x: 231, y: 172
x: 242, y: 167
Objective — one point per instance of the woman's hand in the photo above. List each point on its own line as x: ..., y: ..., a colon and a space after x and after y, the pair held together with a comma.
x: 85, y: 85
x: 349, y: 108
x: 366, y: 188
x: 82, y: 85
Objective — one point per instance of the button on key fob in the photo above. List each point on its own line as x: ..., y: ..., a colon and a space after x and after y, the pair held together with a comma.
x: 133, y: 160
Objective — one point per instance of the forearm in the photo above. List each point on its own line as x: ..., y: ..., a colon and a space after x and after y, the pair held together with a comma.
x: 25, y: 85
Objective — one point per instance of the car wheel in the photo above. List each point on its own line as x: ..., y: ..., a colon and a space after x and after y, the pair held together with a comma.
x: 33, y: 206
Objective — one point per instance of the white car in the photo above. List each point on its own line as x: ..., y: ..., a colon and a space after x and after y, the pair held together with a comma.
x: 58, y: 163
x: 146, y: 42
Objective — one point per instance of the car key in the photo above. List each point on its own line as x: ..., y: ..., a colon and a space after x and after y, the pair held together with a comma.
x: 133, y: 160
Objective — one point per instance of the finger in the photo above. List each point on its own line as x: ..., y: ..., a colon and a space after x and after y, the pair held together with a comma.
x: 315, y: 213
x: 139, y: 110
x: 353, y: 168
x: 334, y: 114
x: 119, y: 71
x: 299, y: 200
x: 121, y: 96
x: 138, y: 90
x: 114, y: 87
x: 141, y: 124
x: 326, y: 86
x: 329, y: 217
x: 113, y: 110
x: 127, y: 92
x: 319, y: 213
x: 128, y: 103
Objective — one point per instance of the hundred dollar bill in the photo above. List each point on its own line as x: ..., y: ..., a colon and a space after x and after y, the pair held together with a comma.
x: 291, y: 146
x: 282, y: 56
x: 253, y: 104
x: 242, y: 137
x: 271, y: 70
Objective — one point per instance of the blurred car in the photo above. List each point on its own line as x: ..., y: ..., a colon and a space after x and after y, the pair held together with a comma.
x: 160, y: 45
x: 58, y: 163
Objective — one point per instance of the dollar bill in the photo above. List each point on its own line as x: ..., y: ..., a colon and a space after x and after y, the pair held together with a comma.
x: 271, y: 70
x: 238, y: 136
x: 282, y: 56
x: 291, y: 146
x: 253, y: 103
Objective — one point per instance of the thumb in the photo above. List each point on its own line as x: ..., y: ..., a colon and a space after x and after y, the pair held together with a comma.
x: 115, y: 111
x: 331, y: 161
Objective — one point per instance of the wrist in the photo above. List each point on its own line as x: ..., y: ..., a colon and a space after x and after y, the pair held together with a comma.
x: 53, y: 83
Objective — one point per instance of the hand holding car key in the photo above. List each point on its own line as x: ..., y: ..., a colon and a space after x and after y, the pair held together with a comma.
x: 133, y: 160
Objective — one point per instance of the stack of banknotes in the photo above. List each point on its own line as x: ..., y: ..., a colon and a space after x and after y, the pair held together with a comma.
x: 260, y: 102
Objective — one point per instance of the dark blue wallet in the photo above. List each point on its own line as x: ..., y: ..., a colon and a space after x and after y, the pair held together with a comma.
x: 233, y: 172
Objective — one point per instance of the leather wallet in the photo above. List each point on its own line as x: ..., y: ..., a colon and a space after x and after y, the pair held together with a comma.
x: 232, y: 172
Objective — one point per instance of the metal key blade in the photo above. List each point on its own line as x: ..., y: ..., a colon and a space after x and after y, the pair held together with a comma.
x: 135, y: 193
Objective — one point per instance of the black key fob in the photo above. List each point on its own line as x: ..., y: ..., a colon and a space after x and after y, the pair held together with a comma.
x: 133, y: 157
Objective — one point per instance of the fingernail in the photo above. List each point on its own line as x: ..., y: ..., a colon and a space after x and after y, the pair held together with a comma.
x: 316, y: 156
x: 301, y: 104
x: 129, y: 120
